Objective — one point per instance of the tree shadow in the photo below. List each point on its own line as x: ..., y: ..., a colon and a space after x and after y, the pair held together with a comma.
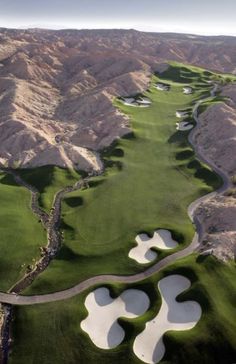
x: 185, y: 154
x: 66, y: 253
x: 74, y: 201
x: 179, y: 138
x: 9, y: 180
x: 115, y: 335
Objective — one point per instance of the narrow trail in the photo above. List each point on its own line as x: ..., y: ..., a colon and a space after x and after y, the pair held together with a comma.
x: 52, y: 224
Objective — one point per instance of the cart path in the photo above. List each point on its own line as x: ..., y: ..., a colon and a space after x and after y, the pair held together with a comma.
x: 103, y: 279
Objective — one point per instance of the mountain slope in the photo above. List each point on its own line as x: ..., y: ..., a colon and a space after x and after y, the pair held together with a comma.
x: 57, y: 87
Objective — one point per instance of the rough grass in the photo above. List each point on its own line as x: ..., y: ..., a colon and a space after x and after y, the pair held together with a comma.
x: 51, y: 333
x: 21, y: 234
x: 146, y: 186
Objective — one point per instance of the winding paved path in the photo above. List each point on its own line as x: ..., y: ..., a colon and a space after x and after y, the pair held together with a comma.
x: 103, y: 279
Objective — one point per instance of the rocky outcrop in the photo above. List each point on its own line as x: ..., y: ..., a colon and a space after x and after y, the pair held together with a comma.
x: 217, y: 136
x: 218, y: 218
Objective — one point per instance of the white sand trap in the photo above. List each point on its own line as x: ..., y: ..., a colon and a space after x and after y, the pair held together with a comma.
x: 173, y: 315
x: 162, y: 87
x: 183, y: 126
x: 130, y: 101
x: 133, y: 105
x: 187, y: 90
x: 181, y: 114
x: 143, y: 254
x: 144, y: 101
x: 103, y: 311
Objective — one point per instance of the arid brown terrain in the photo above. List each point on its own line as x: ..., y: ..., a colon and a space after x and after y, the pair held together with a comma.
x: 56, y: 87
x: 217, y: 140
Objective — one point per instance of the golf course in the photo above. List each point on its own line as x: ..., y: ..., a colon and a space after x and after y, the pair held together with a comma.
x: 127, y: 260
x: 150, y: 179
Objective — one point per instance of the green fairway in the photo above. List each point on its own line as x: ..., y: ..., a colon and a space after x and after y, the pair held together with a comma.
x: 148, y: 184
x: 51, y: 333
x: 151, y: 177
x: 48, y: 180
x: 21, y: 234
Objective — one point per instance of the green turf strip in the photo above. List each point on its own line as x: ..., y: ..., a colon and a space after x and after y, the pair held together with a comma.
x: 21, y: 234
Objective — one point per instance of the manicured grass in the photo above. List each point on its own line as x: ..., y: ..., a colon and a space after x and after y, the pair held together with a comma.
x: 181, y: 74
x: 21, y: 234
x: 51, y: 333
x: 146, y: 186
x: 48, y: 180
x: 186, y: 74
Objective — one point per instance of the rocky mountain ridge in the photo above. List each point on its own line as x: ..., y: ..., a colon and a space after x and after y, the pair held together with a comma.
x: 57, y: 87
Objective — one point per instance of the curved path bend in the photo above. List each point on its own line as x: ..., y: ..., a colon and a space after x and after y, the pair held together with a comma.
x: 103, y: 279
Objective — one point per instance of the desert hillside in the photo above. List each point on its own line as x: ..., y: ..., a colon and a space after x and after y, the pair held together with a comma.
x: 56, y: 87
x: 217, y: 140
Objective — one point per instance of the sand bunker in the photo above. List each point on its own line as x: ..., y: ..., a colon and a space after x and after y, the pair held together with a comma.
x: 143, y: 254
x: 140, y: 102
x: 103, y: 311
x: 181, y: 114
x: 183, y: 126
x: 162, y: 87
x: 144, y: 101
x: 129, y: 101
x: 173, y: 315
x: 187, y: 90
